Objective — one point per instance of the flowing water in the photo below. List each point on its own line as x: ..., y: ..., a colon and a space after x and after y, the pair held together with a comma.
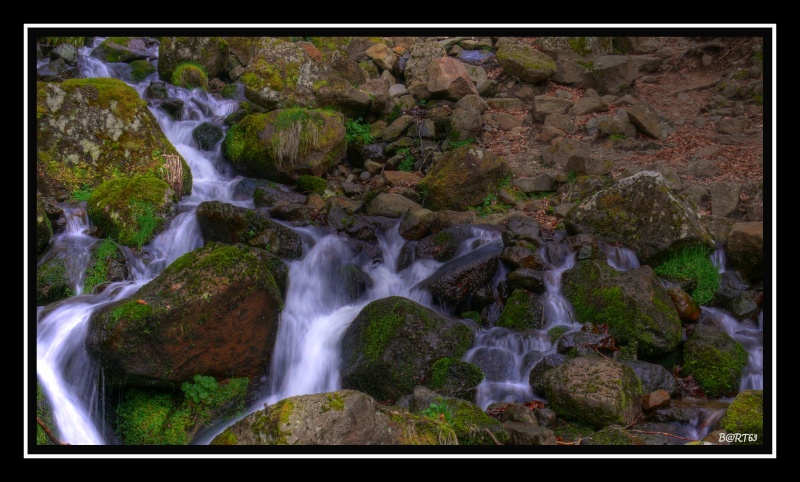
x: 317, y: 308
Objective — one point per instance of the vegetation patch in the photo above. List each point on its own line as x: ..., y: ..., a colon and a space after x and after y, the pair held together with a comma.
x: 693, y: 262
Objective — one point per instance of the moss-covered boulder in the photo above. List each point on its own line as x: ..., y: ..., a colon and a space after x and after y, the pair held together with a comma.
x: 286, y: 143
x: 231, y: 224
x: 654, y: 377
x: 745, y: 416
x: 595, y: 391
x: 462, y: 178
x: 715, y: 360
x: 642, y: 213
x: 211, y: 53
x: 344, y: 417
x: 634, y: 305
x: 140, y: 69
x: 213, y: 311
x: 130, y: 210
x: 282, y: 75
x: 207, y: 135
x: 392, y: 344
x: 92, y: 130
x: 525, y: 63
x: 44, y: 230
x: 121, y: 49
x: 189, y: 75
x: 523, y: 310
x: 455, y: 378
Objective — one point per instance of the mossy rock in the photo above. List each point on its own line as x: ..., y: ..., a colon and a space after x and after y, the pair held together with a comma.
x: 130, y: 210
x: 715, y: 360
x: 141, y: 69
x: 93, y: 130
x: 634, y: 305
x: 120, y: 49
x: 286, y: 143
x: 107, y: 263
x: 44, y: 412
x: 52, y: 279
x: 455, y: 378
x: 190, y: 76
x: 526, y: 63
x: 392, y: 344
x: 745, y: 415
x: 462, y: 178
x: 522, y: 311
x: 213, y: 311
x: 209, y: 53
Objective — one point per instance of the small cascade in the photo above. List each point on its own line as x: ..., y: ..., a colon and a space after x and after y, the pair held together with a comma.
x: 619, y: 257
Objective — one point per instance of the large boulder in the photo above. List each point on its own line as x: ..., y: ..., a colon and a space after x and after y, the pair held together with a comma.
x: 284, y: 144
x: 281, y: 75
x: 612, y: 74
x: 634, y: 304
x: 462, y: 178
x: 210, y: 53
x: 595, y: 391
x: 121, y: 49
x: 715, y: 360
x: 392, y: 344
x: 454, y: 282
x: 526, y: 63
x: 227, y: 223
x: 213, y: 311
x: 92, y: 130
x: 745, y: 249
x: 131, y: 210
x: 641, y: 212
x: 448, y: 78
x: 344, y: 417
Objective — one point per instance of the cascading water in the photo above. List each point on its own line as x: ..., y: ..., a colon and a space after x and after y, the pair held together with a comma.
x: 317, y: 308
x: 63, y: 368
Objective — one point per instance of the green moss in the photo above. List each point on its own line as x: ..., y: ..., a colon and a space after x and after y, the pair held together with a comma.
x: 131, y: 311
x: 147, y: 418
x: 519, y: 312
x: 141, y: 69
x: 227, y: 437
x: 383, y: 328
x: 243, y: 142
x: 311, y: 184
x: 229, y: 91
x: 52, y: 282
x: 335, y: 402
x: 445, y: 370
x: 745, y: 415
x: 190, y: 75
x: 472, y: 425
x: 570, y: 432
x: 556, y: 332
x: 579, y: 45
x: 716, y: 363
x: 127, y: 209
x: 44, y: 412
x: 472, y: 315
x: 97, y: 273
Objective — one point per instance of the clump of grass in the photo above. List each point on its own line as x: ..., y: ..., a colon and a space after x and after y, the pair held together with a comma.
x: 693, y: 262
x: 407, y: 163
x: 295, y: 135
x: 453, y: 145
x: 80, y: 195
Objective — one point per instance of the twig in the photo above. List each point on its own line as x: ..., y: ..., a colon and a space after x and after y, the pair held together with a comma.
x: 571, y: 321
x: 49, y: 433
x: 496, y: 442
x: 663, y: 433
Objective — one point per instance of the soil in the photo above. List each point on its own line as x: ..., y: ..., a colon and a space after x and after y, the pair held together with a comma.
x: 682, y: 90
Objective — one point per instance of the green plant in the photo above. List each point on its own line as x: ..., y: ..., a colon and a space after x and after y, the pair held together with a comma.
x: 356, y: 131
x: 397, y: 111
x: 202, y: 390
x: 144, y: 213
x: 98, y: 272
x: 453, y: 145
x: 617, y: 137
x: 490, y: 205
x: 693, y: 262
x: 80, y: 195
x: 438, y: 411
x: 407, y: 163
x: 311, y: 184
x: 571, y: 176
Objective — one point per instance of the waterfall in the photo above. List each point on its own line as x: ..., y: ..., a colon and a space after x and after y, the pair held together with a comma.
x: 318, y: 307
